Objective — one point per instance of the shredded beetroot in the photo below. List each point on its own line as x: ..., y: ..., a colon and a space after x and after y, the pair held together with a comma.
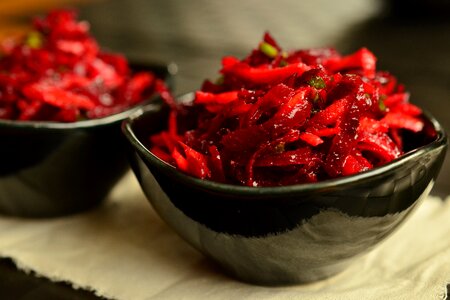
x: 58, y: 73
x: 278, y: 118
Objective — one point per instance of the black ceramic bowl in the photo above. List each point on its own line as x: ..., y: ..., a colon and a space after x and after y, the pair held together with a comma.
x: 290, y: 234
x: 50, y: 169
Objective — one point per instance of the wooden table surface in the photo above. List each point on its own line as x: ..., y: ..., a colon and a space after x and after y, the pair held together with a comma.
x: 411, y: 39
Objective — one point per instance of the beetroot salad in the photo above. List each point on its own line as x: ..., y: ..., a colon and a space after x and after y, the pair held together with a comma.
x: 280, y: 118
x: 57, y: 72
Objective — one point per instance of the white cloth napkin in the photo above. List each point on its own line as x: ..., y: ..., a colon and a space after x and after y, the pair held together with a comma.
x: 123, y: 250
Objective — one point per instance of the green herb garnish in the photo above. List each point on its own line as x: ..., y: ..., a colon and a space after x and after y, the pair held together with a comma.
x: 34, y: 40
x: 280, y: 147
x: 268, y: 49
x: 381, y: 104
x: 317, y: 82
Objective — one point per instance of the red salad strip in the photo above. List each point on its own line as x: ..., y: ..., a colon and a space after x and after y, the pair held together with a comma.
x: 197, y: 163
x: 242, y: 71
x: 311, y: 138
x: 355, y: 163
x: 362, y: 59
x: 57, y: 73
x: 216, y: 164
x: 279, y: 118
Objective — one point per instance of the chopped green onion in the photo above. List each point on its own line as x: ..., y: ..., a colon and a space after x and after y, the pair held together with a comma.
x: 317, y: 82
x: 283, y: 63
x: 34, y: 40
x: 280, y: 147
x: 381, y: 104
x: 268, y: 49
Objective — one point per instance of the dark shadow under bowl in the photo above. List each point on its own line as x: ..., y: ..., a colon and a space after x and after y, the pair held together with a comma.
x: 289, y: 234
x: 50, y: 169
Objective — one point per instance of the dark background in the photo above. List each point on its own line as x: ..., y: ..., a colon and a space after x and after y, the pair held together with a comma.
x: 410, y: 38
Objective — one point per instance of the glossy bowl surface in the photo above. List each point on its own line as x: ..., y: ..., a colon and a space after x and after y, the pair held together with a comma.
x: 283, y: 235
x: 50, y: 169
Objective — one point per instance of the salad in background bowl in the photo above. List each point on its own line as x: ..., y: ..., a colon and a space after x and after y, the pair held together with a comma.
x: 62, y: 99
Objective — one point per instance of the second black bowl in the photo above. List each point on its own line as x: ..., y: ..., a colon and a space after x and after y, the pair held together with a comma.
x: 50, y: 169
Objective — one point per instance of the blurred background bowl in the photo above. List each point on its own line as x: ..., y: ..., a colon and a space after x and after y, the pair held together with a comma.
x: 282, y: 235
x: 50, y: 169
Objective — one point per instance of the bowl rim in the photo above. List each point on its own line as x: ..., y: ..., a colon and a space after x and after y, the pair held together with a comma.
x: 167, y: 68
x: 73, y: 125
x: 218, y: 187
